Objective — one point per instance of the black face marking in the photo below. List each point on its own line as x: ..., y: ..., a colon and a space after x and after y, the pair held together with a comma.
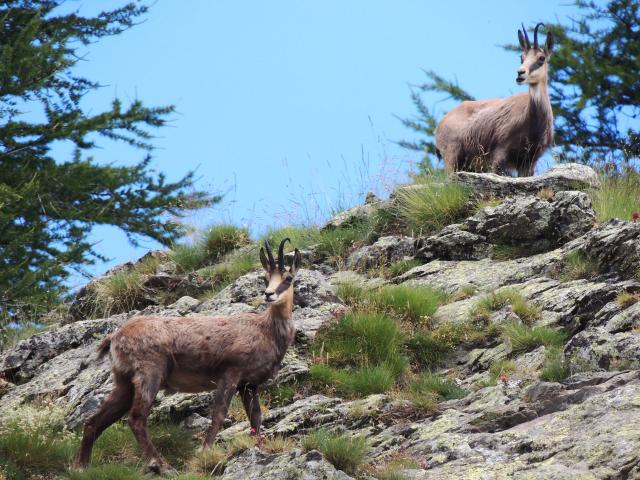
x: 284, y: 285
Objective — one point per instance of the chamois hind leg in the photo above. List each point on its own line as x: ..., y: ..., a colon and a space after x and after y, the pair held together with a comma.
x: 113, y: 408
x: 146, y: 388
x: 251, y: 403
x: 226, y: 388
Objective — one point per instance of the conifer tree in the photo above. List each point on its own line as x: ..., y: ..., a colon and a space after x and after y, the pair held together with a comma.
x: 49, y: 204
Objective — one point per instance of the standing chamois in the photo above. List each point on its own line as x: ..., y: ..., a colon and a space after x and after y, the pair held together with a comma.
x: 503, y: 134
x: 196, y: 354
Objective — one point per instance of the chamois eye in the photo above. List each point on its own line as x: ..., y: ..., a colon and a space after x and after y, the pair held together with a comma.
x: 541, y: 60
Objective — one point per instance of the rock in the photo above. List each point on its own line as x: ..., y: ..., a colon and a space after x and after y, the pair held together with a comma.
x: 567, y: 176
x: 309, y: 320
x: 255, y: 464
x: 384, y: 252
x: 185, y: 305
x: 22, y: 361
x: 353, y: 215
x: 453, y: 243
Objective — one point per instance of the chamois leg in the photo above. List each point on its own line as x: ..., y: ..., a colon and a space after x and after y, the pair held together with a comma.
x: 114, y: 407
x: 499, y: 161
x: 251, y: 402
x: 146, y: 388
x: 227, y: 386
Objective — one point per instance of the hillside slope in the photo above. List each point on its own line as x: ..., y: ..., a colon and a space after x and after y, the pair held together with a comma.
x: 536, y: 327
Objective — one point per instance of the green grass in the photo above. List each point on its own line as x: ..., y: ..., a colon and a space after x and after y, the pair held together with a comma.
x: 301, y: 237
x: 498, y: 368
x: 280, y: 395
x: 523, y: 338
x: 210, y: 247
x: 508, y: 252
x: 485, y: 306
x: 415, y: 304
x: 117, y: 293
x: 578, y: 265
x: 362, y: 339
x: 344, y: 452
x: 231, y: 267
x: 403, y: 266
x: 445, y: 388
x: 426, y: 350
x: 213, y: 460
x: 431, y: 204
x: 106, y: 472
x: 617, y: 197
x: 555, y: 368
x: 464, y: 292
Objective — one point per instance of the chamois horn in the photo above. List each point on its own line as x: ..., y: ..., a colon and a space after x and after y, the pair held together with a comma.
x: 281, y: 253
x: 535, y: 35
x: 272, y: 261
x: 526, y: 37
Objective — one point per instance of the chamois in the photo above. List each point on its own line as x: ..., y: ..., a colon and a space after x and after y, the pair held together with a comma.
x: 503, y: 134
x: 196, y: 354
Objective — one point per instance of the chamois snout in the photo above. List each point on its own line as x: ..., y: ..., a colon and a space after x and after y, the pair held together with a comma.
x: 520, y: 77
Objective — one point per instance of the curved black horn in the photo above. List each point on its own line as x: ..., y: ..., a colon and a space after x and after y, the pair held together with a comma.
x: 526, y: 37
x: 272, y: 262
x: 535, y: 35
x: 281, y: 253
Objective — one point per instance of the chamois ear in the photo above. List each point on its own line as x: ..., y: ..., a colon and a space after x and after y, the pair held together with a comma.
x: 297, y: 260
x: 263, y: 260
x: 548, y: 46
x: 523, y: 45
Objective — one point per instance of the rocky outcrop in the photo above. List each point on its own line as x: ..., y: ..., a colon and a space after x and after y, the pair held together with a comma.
x: 510, y: 423
x: 568, y: 176
x: 525, y: 224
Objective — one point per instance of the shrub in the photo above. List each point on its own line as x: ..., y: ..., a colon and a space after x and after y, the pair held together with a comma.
x: 118, y: 293
x: 344, y: 452
x: 431, y: 204
x: 617, y: 197
x: 578, y: 265
x: 556, y: 368
x: 524, y: 339
x: 416, y: 304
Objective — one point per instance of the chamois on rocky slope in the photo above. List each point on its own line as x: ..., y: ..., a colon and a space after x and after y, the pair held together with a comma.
x: 196, y: 354
x: 503, y: 134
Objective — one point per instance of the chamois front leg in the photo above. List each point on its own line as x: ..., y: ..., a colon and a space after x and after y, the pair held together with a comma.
x: 251, y: 403
x: 227, y: 386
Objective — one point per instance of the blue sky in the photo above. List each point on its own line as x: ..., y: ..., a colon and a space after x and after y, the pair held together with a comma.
x: 289, y: 108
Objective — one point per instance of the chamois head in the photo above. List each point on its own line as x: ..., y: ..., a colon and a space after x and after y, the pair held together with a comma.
x: 277, y: 278
x: 534, y: 58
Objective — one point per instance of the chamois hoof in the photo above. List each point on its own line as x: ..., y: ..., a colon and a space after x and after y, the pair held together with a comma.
x: 160, y: 467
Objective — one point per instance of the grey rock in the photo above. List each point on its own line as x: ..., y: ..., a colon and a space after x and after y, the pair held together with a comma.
x: 294, y: 465
x: 567, y: 176
x: 453, y: 243
x: 384, y: 252
x: 185, y: 305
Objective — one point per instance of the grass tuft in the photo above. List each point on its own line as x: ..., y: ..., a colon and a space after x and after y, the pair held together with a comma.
x: 427, y: 351
x: 556, y: 367
x: 626, y: 299
x: 485, y: 306
x: 618, y: 197
x: 415, y: 304
x: 445, y: 388
x: 344, y: 452
x: 118, y: 293
x: 106, y: 472
x: 431, y: 204
x: 578, y: 265
x: 232, y: 266
x: 524, y: 338
x: 403, y: 266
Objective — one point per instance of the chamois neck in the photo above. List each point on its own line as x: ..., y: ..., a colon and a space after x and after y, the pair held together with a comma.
x: 283, y: 310
x: 539, y: 95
